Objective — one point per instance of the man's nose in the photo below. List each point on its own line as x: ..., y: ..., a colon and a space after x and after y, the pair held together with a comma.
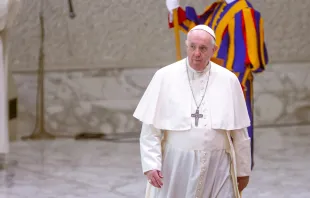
x: 197, y: 52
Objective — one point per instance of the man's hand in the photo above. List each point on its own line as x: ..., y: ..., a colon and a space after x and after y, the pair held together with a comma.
x: 155, y: 178
x: 242, y: 182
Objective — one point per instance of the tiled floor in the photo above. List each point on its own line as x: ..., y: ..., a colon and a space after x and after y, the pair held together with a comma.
x: 98, y: 169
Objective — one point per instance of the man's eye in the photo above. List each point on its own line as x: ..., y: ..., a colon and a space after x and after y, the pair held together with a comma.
x: 203, y: 49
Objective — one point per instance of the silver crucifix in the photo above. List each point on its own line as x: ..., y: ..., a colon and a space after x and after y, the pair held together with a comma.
x: 196, y: 116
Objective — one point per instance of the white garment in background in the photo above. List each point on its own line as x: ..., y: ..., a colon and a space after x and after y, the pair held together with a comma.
x: 4, y: 132
x: 4, y: 136
x: 8, y: 12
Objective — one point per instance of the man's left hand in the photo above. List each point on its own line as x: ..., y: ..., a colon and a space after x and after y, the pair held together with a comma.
x: 242, y: 182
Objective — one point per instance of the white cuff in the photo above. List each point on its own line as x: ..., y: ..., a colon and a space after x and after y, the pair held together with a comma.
x: 242, y: 146
x: 150, y: 148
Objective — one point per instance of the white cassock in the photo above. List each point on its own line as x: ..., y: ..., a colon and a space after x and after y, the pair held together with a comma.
x: 196, y: 161
x: 8, y: 12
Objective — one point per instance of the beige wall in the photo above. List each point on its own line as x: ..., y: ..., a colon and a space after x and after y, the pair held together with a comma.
x: 122, y: 33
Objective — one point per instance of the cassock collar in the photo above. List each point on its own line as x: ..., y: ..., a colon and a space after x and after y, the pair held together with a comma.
x: 229, y: 1
x: 193, y: 74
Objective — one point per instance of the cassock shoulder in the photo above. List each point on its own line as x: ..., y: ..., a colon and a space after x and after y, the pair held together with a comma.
x: 228, y: 79
x: 228, y: 105
x: 153, y: 105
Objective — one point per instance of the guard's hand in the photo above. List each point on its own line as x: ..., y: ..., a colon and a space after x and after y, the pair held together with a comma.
x: 242, y: 182
x: 155, y: 178
x: 171, y: 5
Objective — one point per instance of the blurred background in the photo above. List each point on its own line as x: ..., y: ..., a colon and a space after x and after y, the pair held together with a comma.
x: 97, y: 66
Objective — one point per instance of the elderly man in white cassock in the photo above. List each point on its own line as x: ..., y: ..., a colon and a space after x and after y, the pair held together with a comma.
x: 194, y: 140
x: 8, y: 12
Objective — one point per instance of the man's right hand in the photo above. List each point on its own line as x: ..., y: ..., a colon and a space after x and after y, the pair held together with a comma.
x: 155, y: 178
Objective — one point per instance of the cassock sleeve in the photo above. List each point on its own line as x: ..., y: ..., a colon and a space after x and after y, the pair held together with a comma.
x: 247, y: 42
x: 150, y: 148
x: 242, y: 145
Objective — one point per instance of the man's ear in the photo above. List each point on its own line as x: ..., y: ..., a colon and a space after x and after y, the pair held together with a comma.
x: 215, y: 48
x: 186, y: 43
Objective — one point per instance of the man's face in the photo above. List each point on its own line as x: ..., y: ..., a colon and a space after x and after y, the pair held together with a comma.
x: 200, y: 49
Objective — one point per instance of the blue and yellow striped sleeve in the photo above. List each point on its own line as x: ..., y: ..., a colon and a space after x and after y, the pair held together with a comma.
x: 246, y: 42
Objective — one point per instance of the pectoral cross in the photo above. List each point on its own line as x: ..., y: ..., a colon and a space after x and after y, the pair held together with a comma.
x: 196, y: 116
